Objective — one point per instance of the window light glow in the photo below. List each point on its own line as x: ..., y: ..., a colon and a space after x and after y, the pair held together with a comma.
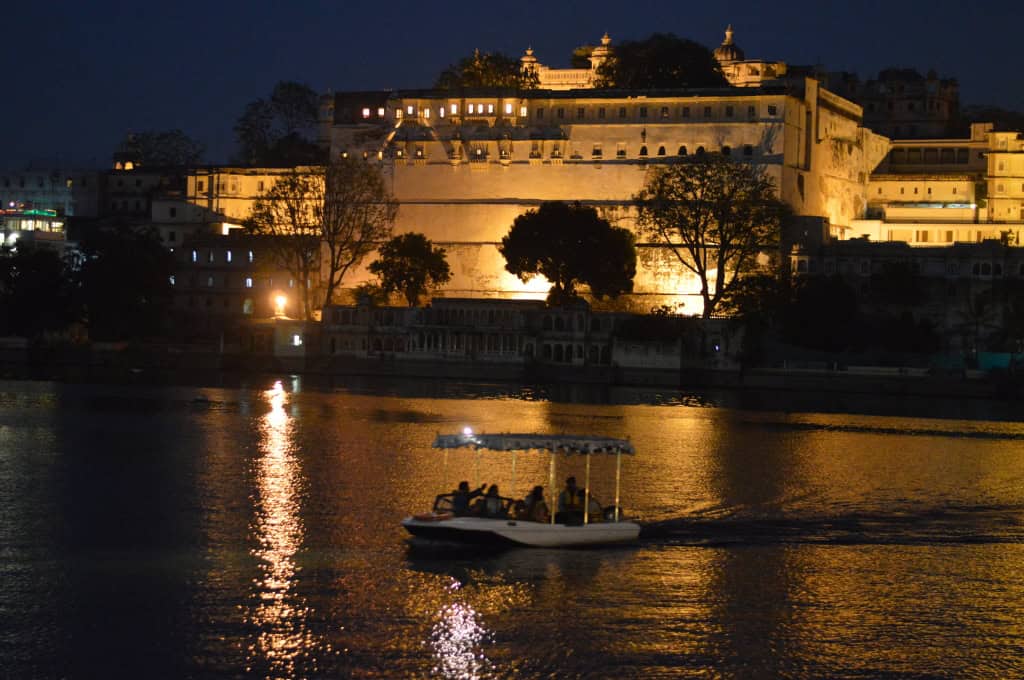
x: 366, y: 113
x: 380, y: 112
x: 508, y: 109
x: 454, y: 108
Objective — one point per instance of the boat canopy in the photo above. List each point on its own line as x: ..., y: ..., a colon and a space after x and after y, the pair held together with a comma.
x: 525, y: 442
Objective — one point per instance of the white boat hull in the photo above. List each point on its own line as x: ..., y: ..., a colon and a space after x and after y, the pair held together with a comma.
x: 478, y: 530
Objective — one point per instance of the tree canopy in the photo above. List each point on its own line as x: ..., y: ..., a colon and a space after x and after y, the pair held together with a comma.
x: 715, y: 214
x: 486, y: 69
x: 37, y: 292
x: 569, y: 244
x: 660, y: 61
x: 280, y: 130
x: 325, y: 220
x: 161, y: 148
x: 125, y: 279
x: 410, y: 264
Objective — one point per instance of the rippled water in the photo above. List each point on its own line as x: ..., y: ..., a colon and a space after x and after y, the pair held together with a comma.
x: 197, y: 532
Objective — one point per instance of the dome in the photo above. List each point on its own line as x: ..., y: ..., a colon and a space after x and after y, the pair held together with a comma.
x: 728, y: 51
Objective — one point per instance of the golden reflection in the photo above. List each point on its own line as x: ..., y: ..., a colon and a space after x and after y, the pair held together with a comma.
x: 456, y: 639
x: 280, y: 613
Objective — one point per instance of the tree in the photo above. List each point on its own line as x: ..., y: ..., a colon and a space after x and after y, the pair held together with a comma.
x: 161, y: 148
x: 37, y: 292
x: 281, y: 130
x: 324, y: 220
x: 661, y: 61
x: 824, y: 314
x: 487, y: 69
x: 581, y: 56
x: 570, y: 245
x: 125, y: 283
x: 715, y: 214
x: 409, y: 264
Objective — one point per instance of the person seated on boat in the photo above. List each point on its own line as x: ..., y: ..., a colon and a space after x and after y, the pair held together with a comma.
x: 492, y: 505
x: 594, y: 511
x: 462, y: 496
x: 534, y: 507
x: 570, y: 507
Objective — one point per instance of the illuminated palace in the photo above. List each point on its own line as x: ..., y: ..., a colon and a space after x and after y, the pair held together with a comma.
x: 464, y: 166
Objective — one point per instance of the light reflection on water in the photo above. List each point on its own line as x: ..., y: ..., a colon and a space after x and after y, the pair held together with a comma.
x: 260, y: 529
x: 280, y: 613
x: 457, y: 639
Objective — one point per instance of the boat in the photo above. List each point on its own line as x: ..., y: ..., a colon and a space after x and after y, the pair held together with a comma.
x: 441, y: 523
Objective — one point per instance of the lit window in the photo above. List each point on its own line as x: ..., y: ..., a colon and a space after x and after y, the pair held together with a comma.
x: 490, y: 108
x: 248, y: 282
x: 291, y: 283
x: 426, y: 113
x: 380, y: 112
x: 209, y: 282
x: 508, y: 109
x: 472, y: 108
x: 398, y: 113
x: 440, y: 112
x: 195, y: 256
x: 410, y: 110
x: 227, y: 256
x: 296, y: 340
x: 522, y: 111
x: 250, y: 256
x: 172, y: 279
x: 366, y: 113
x: 454, y: 108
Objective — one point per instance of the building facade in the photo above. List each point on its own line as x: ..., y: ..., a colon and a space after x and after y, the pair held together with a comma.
x: 942, y: 191
x: 464, y: 166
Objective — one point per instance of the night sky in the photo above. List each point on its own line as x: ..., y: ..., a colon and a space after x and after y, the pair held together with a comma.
x: 79, y: 75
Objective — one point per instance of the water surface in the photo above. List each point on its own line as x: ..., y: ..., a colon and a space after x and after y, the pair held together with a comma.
x: 253, y: 531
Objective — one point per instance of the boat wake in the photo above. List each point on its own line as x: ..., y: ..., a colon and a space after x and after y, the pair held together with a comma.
x: 943, y: 525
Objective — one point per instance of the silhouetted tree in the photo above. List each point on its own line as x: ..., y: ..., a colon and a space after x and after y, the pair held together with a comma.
x: 570, y: 245
x: 715, y: 214
x: 281, y: 130
x: 486, y: 69
x: 325, y: 220
x: 125, y: 281
x: 161, y: 148
x: 824, y: 314
x: 581, y: 56
x: 37, y: 292
x: 660, y: 61
x: 410, y: 264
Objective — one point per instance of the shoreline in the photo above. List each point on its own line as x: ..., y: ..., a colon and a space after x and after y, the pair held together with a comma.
x: 129, y: 364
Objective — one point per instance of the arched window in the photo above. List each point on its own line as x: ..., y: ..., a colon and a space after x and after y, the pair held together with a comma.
x: 643, y: 150
x: 726, y: 151
x: 682, y: 150
x: 661, y: 151
x: 700, y: 150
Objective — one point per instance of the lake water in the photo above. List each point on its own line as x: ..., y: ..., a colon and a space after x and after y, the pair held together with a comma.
x: 254, y: 531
